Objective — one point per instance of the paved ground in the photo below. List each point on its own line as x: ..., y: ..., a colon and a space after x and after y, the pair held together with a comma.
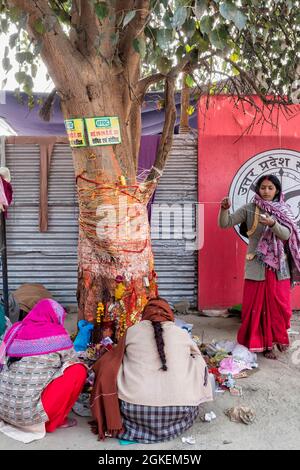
x: 273, y: 391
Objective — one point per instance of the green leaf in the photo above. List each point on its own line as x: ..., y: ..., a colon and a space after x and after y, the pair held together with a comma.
x: 206, y: 24
x: 202, y: 44
x: 198, y: 40
x: 167, y: 20
x: 34, y: 70
x: 234, y: 57
x: 232, y: 13
x: 63, y: 16
x: 14, y: 14
x: 190, y: 81
x: 26, y: 80
x: 139, y: 45
x: 6, y: 51
x: 25, y: 56
x: 180, y: 51
x: 6, y: 64
x: 20, y: 77
x: 101, y: 10
x: 182, y: 3
x: 218, y: 37
x: 164, y: 37
x: 128, y: 17
x: 23, y: 20
x: 29, y: 82
x: 39, y: 26
x: 30, y: 100
x: 37, y: 47
x: 164, y: 64
x: 240, y: 20
x: 179, y: 17
x: 200, y: 8
x: 4, y: 25
x: 190, y: 110
x: 13, y: 40
x: 189, y: 27
x: 160, y: 104
x: 213, y: 89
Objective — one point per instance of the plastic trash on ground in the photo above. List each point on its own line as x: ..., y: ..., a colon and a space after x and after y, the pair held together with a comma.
x: 184, y: 326
x: 208, y: 417
x: 188, y: 440
x: 242, y: 353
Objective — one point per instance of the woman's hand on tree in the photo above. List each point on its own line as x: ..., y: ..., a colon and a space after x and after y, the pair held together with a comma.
x: 225, y: 203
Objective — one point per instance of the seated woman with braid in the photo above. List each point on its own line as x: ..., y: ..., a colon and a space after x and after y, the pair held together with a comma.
x: 149, y: 387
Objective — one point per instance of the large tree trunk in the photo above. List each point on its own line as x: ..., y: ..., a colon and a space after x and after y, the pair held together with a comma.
x: 116, y: 265
x: 115, y: 258
x: 96, y: 72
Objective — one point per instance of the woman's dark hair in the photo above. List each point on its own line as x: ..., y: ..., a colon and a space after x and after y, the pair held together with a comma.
x: 160, y: 343
x: 11, y: 360
x: 243, y: 227
x: 273, y: 180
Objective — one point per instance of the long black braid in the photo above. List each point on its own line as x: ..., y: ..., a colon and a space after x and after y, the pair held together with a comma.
x: 158, y: 334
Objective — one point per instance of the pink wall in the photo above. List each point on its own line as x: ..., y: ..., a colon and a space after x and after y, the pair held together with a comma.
x: 221, y: 260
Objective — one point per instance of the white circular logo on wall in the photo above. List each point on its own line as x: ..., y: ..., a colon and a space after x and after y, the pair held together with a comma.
x: 285, y: 164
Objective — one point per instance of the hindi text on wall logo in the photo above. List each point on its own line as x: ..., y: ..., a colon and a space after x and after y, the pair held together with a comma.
x: 283, y: 163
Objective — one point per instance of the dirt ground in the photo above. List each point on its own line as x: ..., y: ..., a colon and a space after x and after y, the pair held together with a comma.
x: 273, y: 391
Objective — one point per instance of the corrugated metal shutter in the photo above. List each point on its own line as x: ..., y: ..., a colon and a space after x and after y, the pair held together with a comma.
x: 63, y: 222
x: 51, y: 258
x: 177, y: 267
x: 47, y: 258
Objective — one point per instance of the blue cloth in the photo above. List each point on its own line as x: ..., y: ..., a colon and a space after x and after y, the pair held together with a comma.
x: 122, y: 442
x: 83, y: 337
x: 2, y: 320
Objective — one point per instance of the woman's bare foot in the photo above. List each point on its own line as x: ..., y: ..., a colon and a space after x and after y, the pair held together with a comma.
x: 68, y: 423
x: 282, y: 347
x: 269, y: 354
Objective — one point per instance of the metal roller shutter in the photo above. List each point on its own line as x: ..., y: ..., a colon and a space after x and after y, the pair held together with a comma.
x: 51, y: 258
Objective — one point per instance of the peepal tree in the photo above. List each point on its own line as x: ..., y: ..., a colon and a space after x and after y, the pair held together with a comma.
x: 103, y: 56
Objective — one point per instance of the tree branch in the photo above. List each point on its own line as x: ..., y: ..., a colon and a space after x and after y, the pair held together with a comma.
x: 144, y: 83
x: 130, y: 58
x: 254, y: 86
x: 166, y: 140
x: 170, y: 116
x: 184, y: 66
x: 134, y: 28
x: 85, y: 27
x: 56, y: 46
